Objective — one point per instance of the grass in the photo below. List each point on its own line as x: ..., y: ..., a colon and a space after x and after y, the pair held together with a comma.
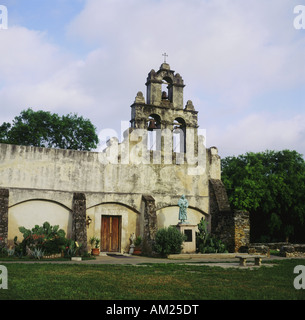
x: 50, y: 281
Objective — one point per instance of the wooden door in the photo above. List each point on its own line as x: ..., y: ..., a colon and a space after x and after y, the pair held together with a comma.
x: 110, y: 233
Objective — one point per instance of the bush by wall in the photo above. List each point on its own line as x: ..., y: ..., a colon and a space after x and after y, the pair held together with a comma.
x: 168, y: 241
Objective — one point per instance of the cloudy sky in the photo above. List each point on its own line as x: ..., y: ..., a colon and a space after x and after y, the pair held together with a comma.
x: 242, y: 62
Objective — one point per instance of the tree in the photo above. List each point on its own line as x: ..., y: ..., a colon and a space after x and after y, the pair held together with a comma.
x: 44, y: 129
x: 271, y: 186
x: 4, y: 129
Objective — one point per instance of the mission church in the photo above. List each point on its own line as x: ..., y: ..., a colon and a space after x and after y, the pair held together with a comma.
x: 131, y: 187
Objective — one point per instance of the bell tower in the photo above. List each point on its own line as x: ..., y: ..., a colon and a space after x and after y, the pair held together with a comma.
x: 164, y: 109
x: 173, y: 96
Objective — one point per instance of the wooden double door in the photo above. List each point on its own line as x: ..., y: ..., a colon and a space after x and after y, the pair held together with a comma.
x: 111, y: 234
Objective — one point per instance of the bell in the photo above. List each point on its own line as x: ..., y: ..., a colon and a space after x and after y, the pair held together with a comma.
x: 176, y: 129
x: 152, y: 125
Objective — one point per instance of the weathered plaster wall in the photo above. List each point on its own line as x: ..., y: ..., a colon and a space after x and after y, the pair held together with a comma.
x: 42, y: 183
x: 32, y: 212
x: 65, y: 171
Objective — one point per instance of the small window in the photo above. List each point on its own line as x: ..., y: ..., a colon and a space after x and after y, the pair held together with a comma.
x: 189, y: 235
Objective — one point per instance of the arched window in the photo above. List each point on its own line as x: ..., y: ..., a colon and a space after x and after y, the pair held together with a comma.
x: 154, y: 134
x: 179, y: 135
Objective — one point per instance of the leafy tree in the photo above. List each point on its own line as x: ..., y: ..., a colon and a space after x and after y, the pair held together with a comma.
x: 4, y: 129
x: 44, y: 129
x: 271, y: 186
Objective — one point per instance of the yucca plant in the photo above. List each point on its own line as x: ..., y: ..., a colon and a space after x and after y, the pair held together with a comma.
x: 205, y: 242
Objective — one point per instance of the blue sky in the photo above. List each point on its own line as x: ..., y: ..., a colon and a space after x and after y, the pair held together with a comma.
x: 242, y: 62
x: 50, y: 16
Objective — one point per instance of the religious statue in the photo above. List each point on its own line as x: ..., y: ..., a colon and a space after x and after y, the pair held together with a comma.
x: 132, y: 245
x: 132, y: 238
x: 183, y: 204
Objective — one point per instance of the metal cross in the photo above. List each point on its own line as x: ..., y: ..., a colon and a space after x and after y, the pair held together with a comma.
x: 164, y: 55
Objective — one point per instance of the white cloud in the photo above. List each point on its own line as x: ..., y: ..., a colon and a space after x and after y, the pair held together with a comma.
x: 260, y: 132
x: 235, y: 48
x: 27, y: 56
x: 38, y: 74
x: 229, y: 52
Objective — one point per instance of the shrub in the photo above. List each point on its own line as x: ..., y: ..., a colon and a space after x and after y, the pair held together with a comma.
x: 94, y: 242
x: 37, y: 253
x: 72, y: 248
x: 138, y: 241
x: 168, y: 241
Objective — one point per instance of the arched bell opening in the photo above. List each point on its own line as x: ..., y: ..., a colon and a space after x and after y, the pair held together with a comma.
x: 154, y: 134
x: 153, y: 122
x: 167, y: 89
x: 179, y: 135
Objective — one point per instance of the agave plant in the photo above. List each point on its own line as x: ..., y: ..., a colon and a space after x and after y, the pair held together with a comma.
x: 37, y: 253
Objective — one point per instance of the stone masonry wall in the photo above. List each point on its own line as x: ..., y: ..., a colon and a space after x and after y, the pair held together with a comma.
x: 4, y: 197
x: 219, y: 204
x: 150, y: 224
x: 225, y: 230
x: 242, y: 229
x: 231, y: 227
x: 79, y: 227
x: 285, y: 249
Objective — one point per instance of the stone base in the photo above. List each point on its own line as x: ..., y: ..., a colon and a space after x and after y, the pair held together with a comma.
x: 76, y: 258
x: 189, y: 245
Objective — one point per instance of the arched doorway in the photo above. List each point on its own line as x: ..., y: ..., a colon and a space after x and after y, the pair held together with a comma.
x: 113, y: 223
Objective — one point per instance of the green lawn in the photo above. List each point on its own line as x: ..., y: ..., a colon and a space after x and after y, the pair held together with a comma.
x: 152, y: 282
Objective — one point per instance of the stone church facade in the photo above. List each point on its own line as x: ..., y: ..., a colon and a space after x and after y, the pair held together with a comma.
x: 132, y: 186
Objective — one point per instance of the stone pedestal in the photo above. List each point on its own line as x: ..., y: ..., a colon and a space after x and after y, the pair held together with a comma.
x: 189, y: 245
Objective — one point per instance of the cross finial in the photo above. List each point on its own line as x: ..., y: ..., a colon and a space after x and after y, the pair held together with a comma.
x: 164, y: 55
